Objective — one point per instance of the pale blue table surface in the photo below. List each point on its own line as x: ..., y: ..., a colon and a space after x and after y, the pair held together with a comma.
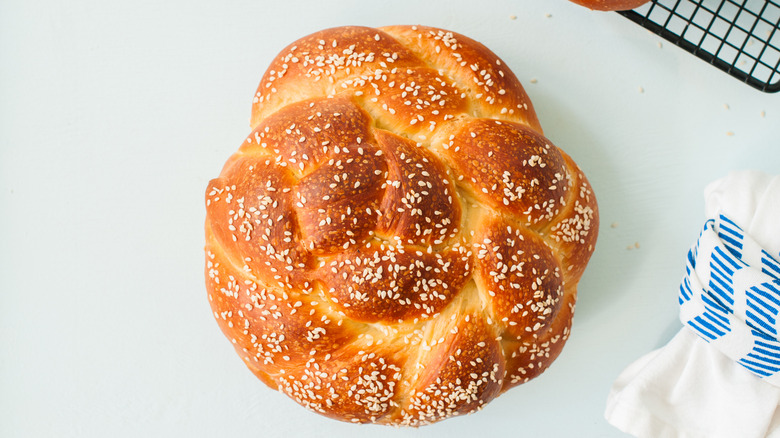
x: 114, y: 115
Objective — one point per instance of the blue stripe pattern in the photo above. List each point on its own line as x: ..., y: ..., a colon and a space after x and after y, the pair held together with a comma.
x: 763, y: 304
x: 769, y: 265
x: 720, y: 248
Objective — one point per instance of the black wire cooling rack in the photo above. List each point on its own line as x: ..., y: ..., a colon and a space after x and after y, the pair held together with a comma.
x: 740, y: 37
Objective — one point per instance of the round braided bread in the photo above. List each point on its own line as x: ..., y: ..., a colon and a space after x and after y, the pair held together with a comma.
x: 396, y: 241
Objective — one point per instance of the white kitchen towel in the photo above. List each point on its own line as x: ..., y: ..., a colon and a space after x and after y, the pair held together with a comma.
x: 730, y: 297
x: 718, y: 376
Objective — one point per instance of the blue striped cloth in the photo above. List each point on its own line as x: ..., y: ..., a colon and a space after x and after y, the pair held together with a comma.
x: 730, y: 297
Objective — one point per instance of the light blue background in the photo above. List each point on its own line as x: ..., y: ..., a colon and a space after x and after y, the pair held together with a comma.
x: 114, y: 115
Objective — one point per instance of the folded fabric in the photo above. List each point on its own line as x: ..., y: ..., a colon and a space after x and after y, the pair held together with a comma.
x: 730, y: 297
x: 719, y: 376
x: 687, y: 389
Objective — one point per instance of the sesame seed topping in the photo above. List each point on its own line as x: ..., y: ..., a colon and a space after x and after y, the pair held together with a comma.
x: 395, y: 246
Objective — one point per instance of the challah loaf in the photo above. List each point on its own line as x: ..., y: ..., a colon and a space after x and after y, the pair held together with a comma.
x: 396, y: 242
x: 611, y: 5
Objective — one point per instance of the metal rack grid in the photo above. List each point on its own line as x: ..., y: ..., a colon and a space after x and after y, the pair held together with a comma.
x: 740, y: 37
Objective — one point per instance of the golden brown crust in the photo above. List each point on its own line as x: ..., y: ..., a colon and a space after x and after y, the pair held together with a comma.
x: 396, y: 242
x: 611, y: 5
x: 464, y: 372
x: 388, y: 283
x: 491, y: 88
x: 354, y: 385
x: 510, y: 167
x: 422, y: 202
x: 521, y: 275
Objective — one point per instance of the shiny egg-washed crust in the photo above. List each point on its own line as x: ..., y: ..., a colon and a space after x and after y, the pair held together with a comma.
x: 611, y: 5
x: 396, y: 242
